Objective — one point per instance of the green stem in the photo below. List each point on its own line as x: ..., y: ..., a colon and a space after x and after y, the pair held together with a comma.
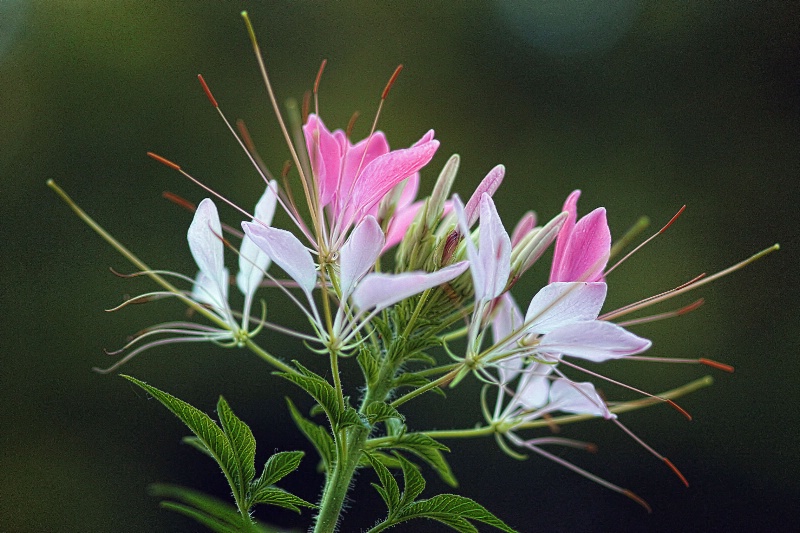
x: 425, y: 388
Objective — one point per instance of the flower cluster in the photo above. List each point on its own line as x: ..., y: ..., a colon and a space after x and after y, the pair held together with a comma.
x: 449, y: 287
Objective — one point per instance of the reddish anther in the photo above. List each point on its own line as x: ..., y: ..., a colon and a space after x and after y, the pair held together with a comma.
x: 638, y: 500
x: 680, y: 409
x: 207, y: 91
x: 675, y: 469
x: 352, y: 123
x: 319, y: 75
x: 691, y: 307
x: 716, y: 364
x: 672, y: 220
x: 391, y: 82
x: 306, y: 106
x: 179, y: 200
x: 164, y: 161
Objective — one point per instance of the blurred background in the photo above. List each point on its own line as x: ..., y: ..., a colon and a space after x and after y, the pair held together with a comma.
x: 645, y: 106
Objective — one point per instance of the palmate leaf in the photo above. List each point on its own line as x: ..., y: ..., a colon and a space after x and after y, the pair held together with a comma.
x: 209, y: 433
x: 380, y: 411
x: 413, y: 482
x: 454, y: 511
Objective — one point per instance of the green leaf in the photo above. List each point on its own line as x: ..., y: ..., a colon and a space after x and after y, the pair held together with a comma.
x: 220, y: 511
x: 281, y: 498
x: 390, y: 491
x: 369, y: 366
x: 277, y: 467
x: 413, y: 482
x: 196, y: 443
x: 380, y: 411
x: 209, y: 433
x: 453, y: 510
x: 325, y: 394
x: 316, y: 434
x: 429, y: 451
x: 200, y: 517
x: 242, y: 442
x: 389, y: 461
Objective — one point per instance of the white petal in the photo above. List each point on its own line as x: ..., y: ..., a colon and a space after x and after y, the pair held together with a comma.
x: 205, y: 240
x: 209, y: 291
x: 594, y: 340
x: 506, y: 319
x: 562, y: 303
x: 579, y: 398
x: 494, y: 252
x: 534, y: 386
x: 359, y: 253
x: 382, y: 290
x: 286, y: 251
x: 475, y: 264
x: 252, y: 261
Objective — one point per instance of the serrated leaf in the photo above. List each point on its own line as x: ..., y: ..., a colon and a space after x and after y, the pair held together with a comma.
x: 391, y: 492
x: 450, y: 509
x: 242, y: 442
x: 380, y: 411
x: 196, y: 443
x: 277, y: 467
x: 410, y: 379
x: 413, y: 482
x: 280, y: 498
x: 429, y: 451
x: 369, y: 366
x: 316, y: 434
x: 209, y: 433
x: 325, y: 394
x: 388, y: 461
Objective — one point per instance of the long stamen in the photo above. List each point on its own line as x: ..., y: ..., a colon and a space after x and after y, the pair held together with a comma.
x: 650, y: 449
x: 639, y: 247
x: 578, y: 470
x: 255, y: 163
x: 662, y: 316
x: 701, y: 361
x: 669, y: 402
x: 310, y: 198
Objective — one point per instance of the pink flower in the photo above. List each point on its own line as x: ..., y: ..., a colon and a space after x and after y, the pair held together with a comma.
x: 353, y: 178
x: 582, y: 248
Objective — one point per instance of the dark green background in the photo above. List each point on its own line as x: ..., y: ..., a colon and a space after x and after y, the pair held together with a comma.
x: 643, y: 105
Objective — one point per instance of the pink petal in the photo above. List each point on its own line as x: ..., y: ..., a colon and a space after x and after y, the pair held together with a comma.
x: 205, y: 241
x: 523, y: 227
x: 382, y: 290
x: 286, y: 251
x: 593, y: 340
x: 325, y: 154
x: 400, y: 223
x: 489, y: 186
x: 357, y: 158
x: 571, y: 207
x: 579, y: 398
x: 558, y: 304
x: 586, y: 253
x: 386, y: 171
x: 359, y: 253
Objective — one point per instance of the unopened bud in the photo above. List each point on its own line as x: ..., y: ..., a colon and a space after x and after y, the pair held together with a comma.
x: 533, y: 245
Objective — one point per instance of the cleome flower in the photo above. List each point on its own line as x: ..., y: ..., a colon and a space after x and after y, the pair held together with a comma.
x: 210, y: 285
